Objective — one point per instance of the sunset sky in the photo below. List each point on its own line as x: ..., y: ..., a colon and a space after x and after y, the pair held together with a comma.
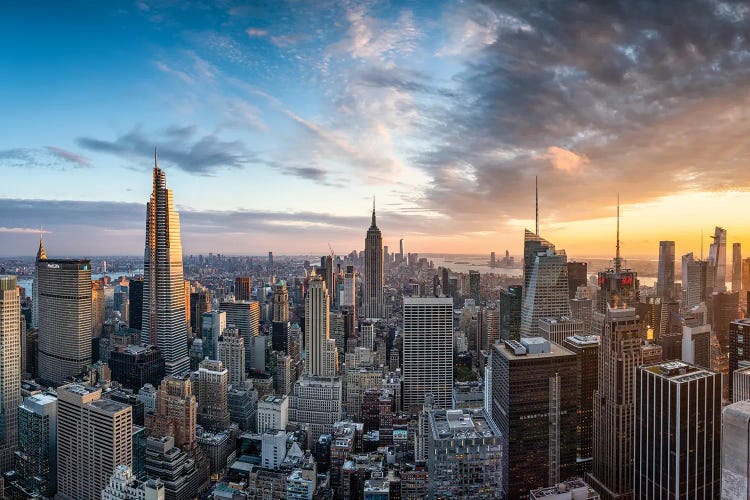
x: 278, y: 122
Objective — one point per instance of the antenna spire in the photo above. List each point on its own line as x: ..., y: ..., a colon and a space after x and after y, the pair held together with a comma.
x: 536, y: 188
x: 156, y: 159
x: 373, y: 211
x: 618, y: 259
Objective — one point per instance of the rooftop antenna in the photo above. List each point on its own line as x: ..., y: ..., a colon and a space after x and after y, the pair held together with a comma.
x: 618, y: 259
x: 536, y: 187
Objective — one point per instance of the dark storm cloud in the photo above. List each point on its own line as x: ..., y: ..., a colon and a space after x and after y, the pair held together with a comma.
x: 648, y: 98
x: 203, y: 156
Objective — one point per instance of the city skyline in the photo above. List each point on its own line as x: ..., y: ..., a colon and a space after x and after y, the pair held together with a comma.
x: 444, y: 111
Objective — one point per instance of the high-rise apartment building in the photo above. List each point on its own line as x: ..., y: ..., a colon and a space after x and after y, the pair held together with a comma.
x: 164, y: 312
x: 547, y: 293
x: 665, y: 283
x: 245, y: 315
x: 372, y: 297
x: 232, y: 354
x: 243, y: 289
x: 213, y: 382
x: 36, y: 457
x: 677, y: 432
x: 534, y: 404
x: 94, y: 436
x: 10, y: 369
x: 321, y: 356
x: 427, y: 351
x: 465, y: 455
x: 64, y: 318
x: 620, y: 353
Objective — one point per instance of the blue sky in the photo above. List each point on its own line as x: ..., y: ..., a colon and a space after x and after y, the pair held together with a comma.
x: 278, y: 121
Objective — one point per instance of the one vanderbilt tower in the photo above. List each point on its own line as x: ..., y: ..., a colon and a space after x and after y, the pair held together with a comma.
x: 163, y: 285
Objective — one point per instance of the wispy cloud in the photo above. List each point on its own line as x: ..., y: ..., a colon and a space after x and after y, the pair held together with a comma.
x: 164, y: 68
x: 47, y: 157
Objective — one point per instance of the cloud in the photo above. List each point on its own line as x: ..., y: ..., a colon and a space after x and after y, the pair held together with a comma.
x: 369, y: 37
x: 164, y: 68
x: 203, y: 156
x: 21, y: 230
x: 47, y: 157
x: 256, y: 32
x: 564, y: 160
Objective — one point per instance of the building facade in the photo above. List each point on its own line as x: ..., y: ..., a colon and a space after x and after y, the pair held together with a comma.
x: 372, y: 291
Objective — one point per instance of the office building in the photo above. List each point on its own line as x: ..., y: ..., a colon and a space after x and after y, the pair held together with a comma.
x: 283, y: 378
x: 244, y: 315
x: 694, y: 276
x: 586, y: 349
x: 200, y: 304
x: 427, y: 351
x: 65, y: 318
x: 465, y: 457
x: 741, y: 382
x: 665, y: 283
x: 213, y: 324
x: 474, y: 285
x: 511, y: 300
x: 735, y: 450
x: 125, y: 485
x: 716, y: 279
x: 10, y: 369
x: 558, y: 329
x: 183, y: 476
x: 176, y: 412
x: 36, y: 457
x: 547, y: 293
x: 232, y: 354
x: 724, y: 309
x: 737, y: 267
x: 164, y: 312
x: 677, y: 432
x: 134, y: 366
x: 739, y: 350
x: 94, y: 436
x: 41, y: 255
x: 321, y: 355
x: 213, y: 383
x: 243, y: 403
x: 280, y: 327
x: 349, y: 295
x: 316, y: 401
x: 97, y: 308
x: 577, y: 276
x: 533, y: 244
x: 243, y: 289
x: 273, y: 413
x: 620, y: 353
x: 373, y: 301
x: 135, y: 291
x: 535, y: 398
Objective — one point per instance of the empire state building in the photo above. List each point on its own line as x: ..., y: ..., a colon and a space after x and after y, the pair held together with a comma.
x: 163, y: 285
x: 372, y: 295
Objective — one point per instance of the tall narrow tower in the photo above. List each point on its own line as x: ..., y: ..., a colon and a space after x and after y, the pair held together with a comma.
x: 320, y: 350
x: 374, y: 306
x: 10, y: 369
x: 41, y: 255
x: 163, y: 284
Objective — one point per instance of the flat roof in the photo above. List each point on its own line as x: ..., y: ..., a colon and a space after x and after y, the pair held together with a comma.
x: 554, y: 350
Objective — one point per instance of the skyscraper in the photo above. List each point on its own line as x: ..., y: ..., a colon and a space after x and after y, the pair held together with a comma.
x: 428, y: 351
x: 97, y: 308
x: 735, y: 450
x: 321, y: 356
x: 694, y: 274
x: 280, y: 326
x: 65, y: 318
x: 232, y: 354
x: 94, y: 436
x: 717, y: 262
x: 511, y: 301
x: 618, y: 286
x: 164, y: 314
x: 40, y: 256
x: 176, y: 413
x: 586, y: 348
x: 243, y: 288
x: 677, y: 432
x: 619, y: 354
x: 736, y: 267
x: 10, y: 369
x: 665, y: 285
x: 135, y: 318
x: 213, y: 325
x: 200, y: 303
x: 245, y: 315
x: 372, y: 296
x: 213, y: 382
x: 534, y: 404
x: 36, y: 458
x: 532, y: 245
x: 577, y: 276
x: 547, y: 295
x: 474, y: 285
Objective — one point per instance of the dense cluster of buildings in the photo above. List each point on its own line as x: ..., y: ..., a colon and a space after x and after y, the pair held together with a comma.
x: 373, y: 376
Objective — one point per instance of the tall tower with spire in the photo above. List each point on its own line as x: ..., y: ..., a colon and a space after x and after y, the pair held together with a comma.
x: 163, y: 284
x: 41, y: 255
x: 618, y: 286
x: 373, y: 302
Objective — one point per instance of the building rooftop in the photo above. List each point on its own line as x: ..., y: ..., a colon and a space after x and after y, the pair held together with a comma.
x: 678, y: 371
x: 584, y: 340
x: 574, y: 487
x: 109, y: 405
x: 515, y: 350
x: 461, y: 424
